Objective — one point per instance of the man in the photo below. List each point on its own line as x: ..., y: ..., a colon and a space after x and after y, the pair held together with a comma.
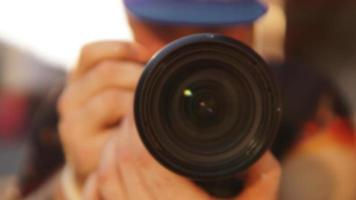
x: 105, y: 157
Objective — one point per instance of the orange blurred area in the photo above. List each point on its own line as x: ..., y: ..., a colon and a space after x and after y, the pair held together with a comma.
x: 322, y: 164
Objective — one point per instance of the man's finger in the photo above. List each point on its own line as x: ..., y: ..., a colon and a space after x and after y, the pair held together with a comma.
x: 126, y: 164
x: 102, y: 111
x: 110, y: 184
x: 90, y: 190
x: 106, y: 109
x: 107, y: 75
x: 94, y: 53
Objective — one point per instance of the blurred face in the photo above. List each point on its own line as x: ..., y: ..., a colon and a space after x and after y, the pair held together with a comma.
x: 155, y: 36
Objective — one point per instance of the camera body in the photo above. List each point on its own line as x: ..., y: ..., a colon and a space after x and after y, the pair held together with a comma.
x: 207, y: 107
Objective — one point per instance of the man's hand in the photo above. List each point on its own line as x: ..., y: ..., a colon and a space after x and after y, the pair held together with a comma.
x: 128, y: 171
x: 98, y: 95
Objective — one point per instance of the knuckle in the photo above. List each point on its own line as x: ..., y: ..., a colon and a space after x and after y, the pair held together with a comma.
x: 69, y: 128
x: 106, y: 70
x: 64, y: 131
x: 65, y: 127
x: 112, y: 98
x: 121, y: 47
x: 109, y: 100
x: 91, y: 49
x: 88, y: 50
x: 62, y: 103
x: 65, y: 100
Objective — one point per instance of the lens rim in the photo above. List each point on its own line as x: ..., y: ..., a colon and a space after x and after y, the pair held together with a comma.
x: 152, y: 74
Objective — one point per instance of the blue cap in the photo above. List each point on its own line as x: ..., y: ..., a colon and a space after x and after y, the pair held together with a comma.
x: 197, y: 12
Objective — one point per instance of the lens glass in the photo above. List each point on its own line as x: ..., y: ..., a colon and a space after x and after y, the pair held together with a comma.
x: 202, y: 107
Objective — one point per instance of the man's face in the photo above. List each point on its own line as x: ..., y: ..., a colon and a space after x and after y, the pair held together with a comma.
x: 155, y: 36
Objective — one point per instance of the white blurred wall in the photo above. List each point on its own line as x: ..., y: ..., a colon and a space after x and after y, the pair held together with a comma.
x: 56, y: 29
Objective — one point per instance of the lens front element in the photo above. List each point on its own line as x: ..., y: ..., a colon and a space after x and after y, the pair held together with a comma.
x: 207, y: 107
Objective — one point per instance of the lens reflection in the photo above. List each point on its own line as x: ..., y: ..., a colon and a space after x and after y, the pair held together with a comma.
x: 187, y: 93
x: 201, y: 105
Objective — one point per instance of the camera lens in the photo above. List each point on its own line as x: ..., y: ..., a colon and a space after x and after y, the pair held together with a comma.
x: 207, y: 107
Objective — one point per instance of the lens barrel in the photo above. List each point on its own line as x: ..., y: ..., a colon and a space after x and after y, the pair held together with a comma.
x: 207, y: 107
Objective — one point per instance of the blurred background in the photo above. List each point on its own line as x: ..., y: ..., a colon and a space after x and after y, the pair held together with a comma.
x: 311, y: 46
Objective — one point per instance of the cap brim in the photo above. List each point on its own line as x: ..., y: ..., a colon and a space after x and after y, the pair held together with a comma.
x: 207, y: 14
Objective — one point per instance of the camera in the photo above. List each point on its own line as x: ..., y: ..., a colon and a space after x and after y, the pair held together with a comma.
x: 207, y: 107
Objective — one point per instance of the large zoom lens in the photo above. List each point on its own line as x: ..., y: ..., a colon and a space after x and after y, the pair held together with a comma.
x: 207, y: 107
